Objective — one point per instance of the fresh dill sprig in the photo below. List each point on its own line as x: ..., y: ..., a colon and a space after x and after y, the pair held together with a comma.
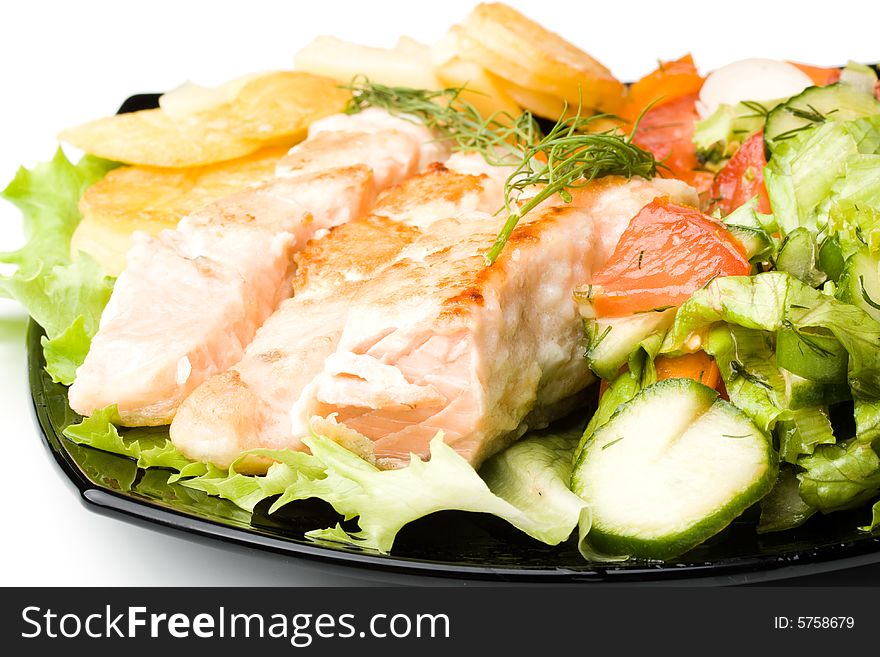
x: 499, y: 138
x: 794, y: 132
x: 568, y: 158
x: 805, y: 340
x: 759, y: 110
x: 810, y: 114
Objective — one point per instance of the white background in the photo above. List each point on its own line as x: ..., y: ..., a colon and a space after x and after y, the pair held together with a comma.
x: 67, y: 62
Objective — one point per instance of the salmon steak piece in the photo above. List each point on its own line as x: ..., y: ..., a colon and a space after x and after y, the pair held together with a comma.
x: 190, y: 300
x: 249, y: 405
x: 398, y: 330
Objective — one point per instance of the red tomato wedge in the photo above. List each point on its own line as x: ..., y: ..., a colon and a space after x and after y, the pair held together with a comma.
x: 742, y: 178
x: 671, y: 80
x: 667, y: 131
x: 666, y: 253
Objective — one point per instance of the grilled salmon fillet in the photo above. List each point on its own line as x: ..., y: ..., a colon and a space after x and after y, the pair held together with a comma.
x: 375, y: 120
x: 398, y: 330
x: 191, y: 300
x: 249, y: 406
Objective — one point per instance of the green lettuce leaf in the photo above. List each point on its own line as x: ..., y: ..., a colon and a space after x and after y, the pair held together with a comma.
x: 149, y: 446
x: 840, y: 476
x: 719, y: 135
x: 153, y: 483
x: 747, y: 216
x: 875, y: 519
x: 773, y: 301
x: 854, y: 225
x: 385, y: 501
x: 867, y: 417
x: 527, y: 485
x: 63, y: 296
x: 802, y: 172
x: 783, y: 508
x: 853, y: 207
x: 803, y: 431
x: 533, y: 475
x: 747, y: 363
x: 249, y: 490
x: 824, y: 171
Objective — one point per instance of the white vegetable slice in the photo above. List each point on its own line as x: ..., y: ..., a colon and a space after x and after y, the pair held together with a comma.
x: 750, y: 79
x: 408, y: 64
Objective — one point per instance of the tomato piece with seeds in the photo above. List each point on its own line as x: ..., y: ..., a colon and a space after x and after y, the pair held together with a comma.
x: 667, y: 131
x: 742, y: 178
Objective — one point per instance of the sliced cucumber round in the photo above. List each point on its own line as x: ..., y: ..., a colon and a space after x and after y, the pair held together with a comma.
x: 814, y: 354
x: 613, y: 339
x: 799, y: 256
x: 671, y: 468
x: 860, y: 282
x: 831, y: 258
x: 836, y: 102
x: 803, y: 393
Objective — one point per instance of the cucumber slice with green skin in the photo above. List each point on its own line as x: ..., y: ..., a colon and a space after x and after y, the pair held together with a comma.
x: 783, y: 508
x: 814, y: 354
x: 831, y: 258
x: 803, y: 393
x: 815, y: 105
x: 860, y: 282
x: 799, y: 255
x: 859, y: 76
x: 613, y: 339
x: 673, y: 467
x: 758, y: 243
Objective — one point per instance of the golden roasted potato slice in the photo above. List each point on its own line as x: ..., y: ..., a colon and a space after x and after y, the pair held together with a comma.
x: 407, y: 64
x: 516, y: 48
x: 481, y: 89
x: 540, y: 104
x: 272, y: 109
x: 152, y: 199
x: 191, y: 98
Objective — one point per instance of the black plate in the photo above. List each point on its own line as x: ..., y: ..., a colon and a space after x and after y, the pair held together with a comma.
x: 448, y: 544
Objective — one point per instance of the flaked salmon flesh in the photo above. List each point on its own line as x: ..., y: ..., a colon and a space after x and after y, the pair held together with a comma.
x: 398, y: 331
x: 190, y: 300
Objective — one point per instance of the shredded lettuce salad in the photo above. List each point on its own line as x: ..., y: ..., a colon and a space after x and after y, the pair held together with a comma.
x: 798, y: 342
x: 809, y: 290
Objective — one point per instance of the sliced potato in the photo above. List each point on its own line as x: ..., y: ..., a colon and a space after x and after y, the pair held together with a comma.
x: 408, y: 64
x: 272, y: 109
x: 523, y: 52
x: 191, y: 98
x: 538, y: 103
x: 153, y: 199
x: 481, y: 90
